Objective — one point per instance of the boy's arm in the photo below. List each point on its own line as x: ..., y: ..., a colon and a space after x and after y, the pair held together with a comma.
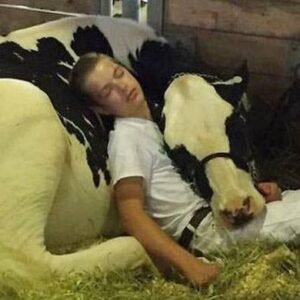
x: 129, y: 197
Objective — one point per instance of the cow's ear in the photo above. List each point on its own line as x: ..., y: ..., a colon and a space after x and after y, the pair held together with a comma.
x: 243, y: 72
x: 233, y: 88
x: 244, y: 102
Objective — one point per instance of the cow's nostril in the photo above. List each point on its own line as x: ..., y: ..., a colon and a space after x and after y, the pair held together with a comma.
x: 246, y: 204
x: 241, y: 215
x: 242, y: 218
x: 237, y: 217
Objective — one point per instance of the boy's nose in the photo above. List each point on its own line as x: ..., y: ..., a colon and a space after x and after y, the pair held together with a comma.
x: 123, y: 86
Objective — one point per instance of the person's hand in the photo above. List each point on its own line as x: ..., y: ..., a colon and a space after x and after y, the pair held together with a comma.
x: 270, y: 191
x: 201, y: 273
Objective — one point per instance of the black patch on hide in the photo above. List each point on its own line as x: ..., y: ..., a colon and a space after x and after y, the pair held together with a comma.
x: 233, y: 93
x: 154, y: 65
x: 275, y: 136
x: 270, y: 129
x: 90, y: 39
x: 190, y: 170
x: 238, y: 137
x: 45, y: 68
x: 284, y: 121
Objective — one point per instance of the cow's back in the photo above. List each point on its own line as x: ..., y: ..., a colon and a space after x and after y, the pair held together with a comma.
x: 84, y: 34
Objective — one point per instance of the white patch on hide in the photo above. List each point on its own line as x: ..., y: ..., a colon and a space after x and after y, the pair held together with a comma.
x: 19, y: 56
x: 195, y: 116
x: 78, y: 129
x: 63, y: 78
x: 245, y: 102
x: 233, y: 80
x: 88, y: 122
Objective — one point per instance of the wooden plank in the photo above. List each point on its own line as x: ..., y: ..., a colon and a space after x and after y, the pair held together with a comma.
x: 182, y: 38
x: 268, y: 88
x: 155, y: 15
x: 294, y: 58
x: 264, y: 86
x: 255, y: 17
x: 291, y: 1
x: 131, y: 9
x: 17, y: 2
x: 13, y: 19
x: 87, y: 6
x: 267, y: 56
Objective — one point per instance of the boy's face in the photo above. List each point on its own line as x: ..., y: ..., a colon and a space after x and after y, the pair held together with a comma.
x: 114, y: 90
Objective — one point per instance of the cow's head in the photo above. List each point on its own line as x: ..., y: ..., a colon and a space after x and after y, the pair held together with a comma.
x: 199, y: 121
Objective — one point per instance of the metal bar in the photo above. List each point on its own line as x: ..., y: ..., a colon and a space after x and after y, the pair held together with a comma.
x: 57, y: 12
x: 131, y: 9
x: 106, y: 7
x: 155, y: 13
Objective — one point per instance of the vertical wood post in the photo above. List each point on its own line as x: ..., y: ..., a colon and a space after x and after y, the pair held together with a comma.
x: 106, y: 7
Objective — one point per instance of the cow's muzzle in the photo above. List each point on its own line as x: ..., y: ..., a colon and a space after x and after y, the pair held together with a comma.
x: 238, y: 217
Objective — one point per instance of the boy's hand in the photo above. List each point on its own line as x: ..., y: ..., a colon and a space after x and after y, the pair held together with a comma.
x: 201, y: 273
x: 270, y: 191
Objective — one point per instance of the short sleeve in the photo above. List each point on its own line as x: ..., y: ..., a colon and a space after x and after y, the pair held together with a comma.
x: 129, y: 156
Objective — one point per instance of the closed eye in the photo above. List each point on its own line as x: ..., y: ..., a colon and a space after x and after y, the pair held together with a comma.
x: 105, y: 92
x: 118, y: 72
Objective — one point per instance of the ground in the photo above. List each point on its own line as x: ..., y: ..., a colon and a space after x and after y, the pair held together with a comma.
x: 253, y: 271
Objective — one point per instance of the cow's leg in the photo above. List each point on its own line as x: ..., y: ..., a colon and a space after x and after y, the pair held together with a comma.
x: 122, y: 253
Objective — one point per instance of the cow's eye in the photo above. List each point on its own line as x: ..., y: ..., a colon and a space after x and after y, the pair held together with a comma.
x: 119, y: 72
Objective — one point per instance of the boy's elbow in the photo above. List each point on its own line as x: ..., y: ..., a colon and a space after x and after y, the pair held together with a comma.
x: 129, y: 200
x: 131, y: 214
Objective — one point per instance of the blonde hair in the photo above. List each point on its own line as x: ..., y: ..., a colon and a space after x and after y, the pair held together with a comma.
x: 83, y: 67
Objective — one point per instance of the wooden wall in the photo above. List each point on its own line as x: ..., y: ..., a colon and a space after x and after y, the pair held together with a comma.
x: 13, y: 18
x: 225, y: 32
x: 222, y: 32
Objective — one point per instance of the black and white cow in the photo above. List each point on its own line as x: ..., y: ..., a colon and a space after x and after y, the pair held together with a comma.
x: 54, y: 180
x: 207, y: 137
x: 54, y: 177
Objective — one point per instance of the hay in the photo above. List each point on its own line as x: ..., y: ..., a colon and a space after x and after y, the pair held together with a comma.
x: 252, y: 271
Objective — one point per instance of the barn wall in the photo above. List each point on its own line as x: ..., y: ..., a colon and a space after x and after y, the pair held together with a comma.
x: 223, y: 32
x: 14, y: 18
x: 226, y: 32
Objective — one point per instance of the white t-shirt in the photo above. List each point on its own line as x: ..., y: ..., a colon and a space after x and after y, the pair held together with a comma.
x: 136, y: 149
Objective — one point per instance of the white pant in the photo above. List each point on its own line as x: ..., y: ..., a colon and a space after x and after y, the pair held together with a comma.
x: 280, y: 222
